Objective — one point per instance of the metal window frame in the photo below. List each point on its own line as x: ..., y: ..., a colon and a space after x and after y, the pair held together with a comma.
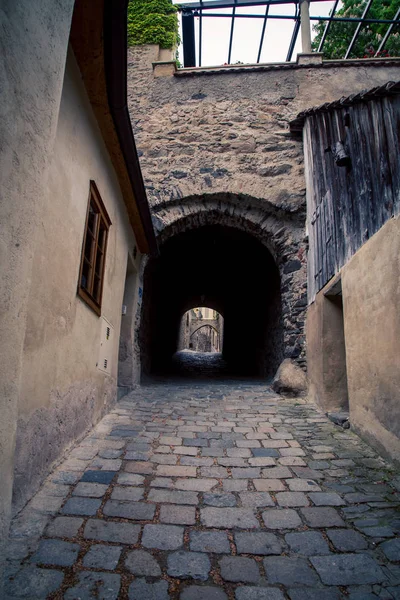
x: 201, y: 9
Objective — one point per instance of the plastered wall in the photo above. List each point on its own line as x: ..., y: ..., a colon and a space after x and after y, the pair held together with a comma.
x: 371, y: 298
x: 63, y: 393
x: 33, y: 46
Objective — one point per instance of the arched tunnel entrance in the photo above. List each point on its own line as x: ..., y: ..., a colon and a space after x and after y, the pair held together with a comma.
x: 227, y: 270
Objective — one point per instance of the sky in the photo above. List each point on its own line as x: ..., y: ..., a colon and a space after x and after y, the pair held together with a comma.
x: 247, y: 34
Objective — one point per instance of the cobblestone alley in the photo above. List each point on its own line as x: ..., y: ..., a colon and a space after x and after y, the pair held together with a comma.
x: 208, y: 492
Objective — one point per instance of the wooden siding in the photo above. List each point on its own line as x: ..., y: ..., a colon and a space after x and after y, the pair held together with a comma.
x: 346, y: 206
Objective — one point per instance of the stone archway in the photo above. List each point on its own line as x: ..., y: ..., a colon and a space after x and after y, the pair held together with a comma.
x: 270, y: 238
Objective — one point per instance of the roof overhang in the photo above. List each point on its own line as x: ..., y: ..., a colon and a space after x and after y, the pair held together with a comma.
x: 99, y: 42
x: 391, y: 88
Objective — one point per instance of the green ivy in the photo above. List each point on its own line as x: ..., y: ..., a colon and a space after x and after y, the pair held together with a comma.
x: 153, y: 22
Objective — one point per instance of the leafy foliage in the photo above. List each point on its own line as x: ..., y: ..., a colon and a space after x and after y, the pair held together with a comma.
x: 153, y: 22
x: 370, y: 36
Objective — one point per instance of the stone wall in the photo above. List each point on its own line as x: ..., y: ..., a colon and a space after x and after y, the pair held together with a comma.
x: 215, y: 147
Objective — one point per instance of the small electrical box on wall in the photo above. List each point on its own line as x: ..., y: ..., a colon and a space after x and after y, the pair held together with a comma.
x: 106, y: 346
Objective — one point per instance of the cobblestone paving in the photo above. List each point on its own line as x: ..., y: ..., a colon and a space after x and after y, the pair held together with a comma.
x: 210, y: 492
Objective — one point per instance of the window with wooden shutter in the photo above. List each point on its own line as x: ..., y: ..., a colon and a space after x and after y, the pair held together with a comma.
x: 91, y: 274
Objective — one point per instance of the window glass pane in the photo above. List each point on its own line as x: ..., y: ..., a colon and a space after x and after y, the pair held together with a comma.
x: 89, y: 248
x: 86, y: 275
x: 96, y: 288
x: 102, y: 235
x: 92, y: 220
x: 99, y: 262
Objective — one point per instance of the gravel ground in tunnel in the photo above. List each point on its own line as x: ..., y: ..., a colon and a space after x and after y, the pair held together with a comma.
x: 209, y: 490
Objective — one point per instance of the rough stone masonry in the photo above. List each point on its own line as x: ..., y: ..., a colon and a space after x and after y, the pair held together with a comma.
x: 215, y: 148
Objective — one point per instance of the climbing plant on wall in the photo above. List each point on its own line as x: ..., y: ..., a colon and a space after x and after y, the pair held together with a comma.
x: 153, y: 22
x: 340, y: 34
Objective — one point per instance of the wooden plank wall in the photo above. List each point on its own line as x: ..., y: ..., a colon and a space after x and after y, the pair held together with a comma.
x: 346, y: 206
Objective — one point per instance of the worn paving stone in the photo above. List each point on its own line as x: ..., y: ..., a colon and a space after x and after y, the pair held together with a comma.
x: 92, y: 490
x: 162, y: 482
x: 196, y: 485
x: 163, y: 537
x: 139, y: 467
x: 204, y: 592
x: 90, y: 586
x: 246, y: 473
x: 179, y: 515
x: 196, y: 461
x: 109, y: 531
x: 239, y: 569
x: 322, y: 517
x: 173, y: 497
x: 265, y: 452
x: 64, y: 527
x: 257, y: 543
x: 215, y: 472
x: 391, y: 549
x: 291, y: 499
x: 229, y: 518
x: 141, y: 590
x: 32, y: 580
x: 257, y: 593
x: 276, y: 473
x: 165, y: 459
x: 138, y: 511
x: 81, y: 506
x: 303, y: 485
x: 130, y: 479
x: 221, y: 500
x: 315, y: 594
x: 56, y: 552
x: 102, y: 557
x: 255, y: 499
x: 286, y: 518
x: 346, y: 540
x: 348, y: 569
x: 142, y: 563
x: 289, y: 571
x: 104, y: 477
x: 234, y: 485
x: 209, y: 541
x: 182, y: 564
x: 307, y: 543
x: 326, y: 499
x: 127, y: 493
x: 176, y: 471
x: 269, y: 485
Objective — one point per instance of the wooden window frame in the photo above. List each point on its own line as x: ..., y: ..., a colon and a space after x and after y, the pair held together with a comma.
x: 97, y: 250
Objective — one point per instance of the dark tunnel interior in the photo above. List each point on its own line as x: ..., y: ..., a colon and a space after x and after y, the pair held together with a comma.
x: 225, y: 269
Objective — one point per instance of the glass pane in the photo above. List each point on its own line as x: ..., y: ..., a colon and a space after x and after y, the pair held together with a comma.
x: 89, y: 247
x: 92, y: 218
x: 96, y: 288
x: 102, y: 235
x: 99, y: 262
x: 86, y: 275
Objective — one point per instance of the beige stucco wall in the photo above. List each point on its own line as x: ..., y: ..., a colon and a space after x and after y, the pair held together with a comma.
x: 326, y: 357
x: 63, y: 393
x: 371, y: 297
x: 33, y: 46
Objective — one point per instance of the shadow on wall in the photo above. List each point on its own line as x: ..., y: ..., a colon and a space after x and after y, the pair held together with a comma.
x: 227, y: 270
